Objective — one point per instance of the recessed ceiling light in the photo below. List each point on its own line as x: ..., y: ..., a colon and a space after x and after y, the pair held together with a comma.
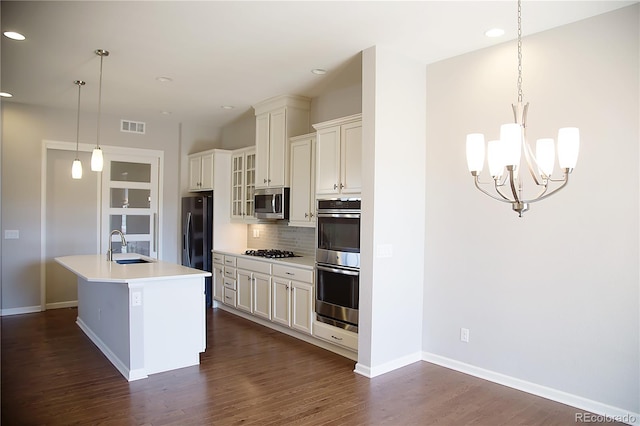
x: 494, y: 32
x: 164, y: 79
x: 319, y: 71
x: 227, y: 107
x: 14, y: 35
x: 165, y: 112
x: 6, y: 95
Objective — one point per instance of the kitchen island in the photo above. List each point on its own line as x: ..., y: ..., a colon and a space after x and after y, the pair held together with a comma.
x: 145, y: 317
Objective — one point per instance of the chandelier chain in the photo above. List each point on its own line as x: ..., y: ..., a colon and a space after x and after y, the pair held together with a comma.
x: 519, y: 51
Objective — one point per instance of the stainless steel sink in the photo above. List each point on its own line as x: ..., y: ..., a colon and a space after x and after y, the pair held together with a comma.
x: 129, y: 261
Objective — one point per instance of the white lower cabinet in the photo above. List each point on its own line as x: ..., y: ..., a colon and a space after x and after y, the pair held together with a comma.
x: 337, y: 336
x: 244, y: 291
x: 262, y: 296
x: 293, y: 297
x: 218, y: 282
x: 279, y: 293
x: 254, y: 287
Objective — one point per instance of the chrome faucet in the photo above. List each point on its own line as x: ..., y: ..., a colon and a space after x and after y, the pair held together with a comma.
x: 109, y: 250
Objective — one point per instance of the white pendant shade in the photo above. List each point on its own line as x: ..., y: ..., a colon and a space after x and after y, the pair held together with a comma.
x: 511, y: 136
x: 475, y: 152
x: 96, y: 160
x: 76, y: 169
x: 545, y: 155
x: 495, y: 157
x: 568, y: 147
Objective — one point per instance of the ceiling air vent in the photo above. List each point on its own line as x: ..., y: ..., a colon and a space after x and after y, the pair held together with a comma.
x: 132, y: 126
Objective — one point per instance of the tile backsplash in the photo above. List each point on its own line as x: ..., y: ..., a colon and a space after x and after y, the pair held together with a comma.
x: 283, y: 237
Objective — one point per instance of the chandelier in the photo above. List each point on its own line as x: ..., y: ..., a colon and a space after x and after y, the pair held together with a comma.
x: 506, y: 153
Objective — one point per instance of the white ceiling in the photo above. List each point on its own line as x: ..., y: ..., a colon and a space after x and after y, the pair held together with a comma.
x: 235, y: 52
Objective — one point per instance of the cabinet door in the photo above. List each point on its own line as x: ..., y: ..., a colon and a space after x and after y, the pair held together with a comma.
x: 207, y: 172
x: 262, y: 295
x: 351, y: 155
x: 237, y: 185
x: 278, y: 148
x: 244, y: 291
x: 328, y: 160
x: 301, y: 202
x: 195, y: 172
x: 302, y: 306
x: 262, y: 150
x: 249, y: 182
x: 280, y: 306
x: 218, y: 280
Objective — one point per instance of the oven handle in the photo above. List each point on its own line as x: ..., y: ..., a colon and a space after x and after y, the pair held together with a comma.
x: 338, y: 270
x: 340, y: 215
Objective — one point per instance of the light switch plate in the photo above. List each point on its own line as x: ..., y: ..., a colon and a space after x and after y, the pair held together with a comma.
x: 11, y: 234
x: 384, y: 250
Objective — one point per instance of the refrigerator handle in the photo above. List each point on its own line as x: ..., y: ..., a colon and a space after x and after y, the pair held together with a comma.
x: 188, y: 237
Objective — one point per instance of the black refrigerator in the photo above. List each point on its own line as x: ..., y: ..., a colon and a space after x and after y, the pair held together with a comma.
x: 197, y: 236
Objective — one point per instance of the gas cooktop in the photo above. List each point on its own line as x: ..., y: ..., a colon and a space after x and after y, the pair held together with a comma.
x: 270, y: 253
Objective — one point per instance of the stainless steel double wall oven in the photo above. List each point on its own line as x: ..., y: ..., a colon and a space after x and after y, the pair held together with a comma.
x: 338, y: 262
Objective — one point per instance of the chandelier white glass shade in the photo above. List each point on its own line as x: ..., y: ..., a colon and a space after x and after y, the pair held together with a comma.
x: 76, y: 167
x: 97, y: 160
x: 505, y: 154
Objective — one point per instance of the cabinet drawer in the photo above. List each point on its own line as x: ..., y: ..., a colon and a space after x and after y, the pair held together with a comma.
x: 217, y: 258
x: 305, y: 275
x: 230, y: 272
x: 229, y: 283
x: 229, y: 297
x: 254, y: 265
x: 335, y: 335
x: 230, y: 260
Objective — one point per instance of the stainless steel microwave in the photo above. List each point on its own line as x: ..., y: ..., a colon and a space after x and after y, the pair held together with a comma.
x: 271, y: 203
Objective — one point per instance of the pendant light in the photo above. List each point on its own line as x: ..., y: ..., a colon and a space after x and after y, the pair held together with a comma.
x: 507, y: 151
x: 96, y: 157
x: 76, y: 167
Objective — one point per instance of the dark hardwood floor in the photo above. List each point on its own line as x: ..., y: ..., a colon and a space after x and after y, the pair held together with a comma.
x: 52, y: 374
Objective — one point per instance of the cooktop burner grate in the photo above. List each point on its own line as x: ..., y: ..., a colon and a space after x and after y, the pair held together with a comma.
x: 270, y: 253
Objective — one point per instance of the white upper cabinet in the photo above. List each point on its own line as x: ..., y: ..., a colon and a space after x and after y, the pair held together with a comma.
x: 302, y: 194
x: 339, y: 156
x: 201, y: 171
x: 243, y: 175
x: 278, y: 119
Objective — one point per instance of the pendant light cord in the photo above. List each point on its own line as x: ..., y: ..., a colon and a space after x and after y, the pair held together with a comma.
x: 79, y: 83
x: 101, y: 53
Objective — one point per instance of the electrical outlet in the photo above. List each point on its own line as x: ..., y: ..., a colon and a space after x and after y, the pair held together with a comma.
x: 136, y: 298
x: 256, y: 233
x: 11, y: 234
x: 464, y: 335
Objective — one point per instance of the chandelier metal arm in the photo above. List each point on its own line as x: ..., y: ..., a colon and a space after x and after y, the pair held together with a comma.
x: 484, y: 191
x: 564, y: 181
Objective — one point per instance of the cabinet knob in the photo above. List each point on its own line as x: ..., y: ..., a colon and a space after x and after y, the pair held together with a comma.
x: 306, y: 215
x: 264, y: 181
x: 341, y: 186
x: 335, y: 186
x: 310, y: 214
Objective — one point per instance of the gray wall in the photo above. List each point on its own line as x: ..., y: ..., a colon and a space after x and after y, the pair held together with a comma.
x: 24, y: 129
x: 551, y: 298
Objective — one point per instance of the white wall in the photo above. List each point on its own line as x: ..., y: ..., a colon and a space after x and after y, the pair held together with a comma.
x: 551, y: 298
x: 393, y: 209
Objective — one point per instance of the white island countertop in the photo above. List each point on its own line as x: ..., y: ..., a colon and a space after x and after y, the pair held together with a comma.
x: 96, y: 268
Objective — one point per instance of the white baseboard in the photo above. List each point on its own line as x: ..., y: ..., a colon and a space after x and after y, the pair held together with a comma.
x: 130, y: 375
x: 18, y: 311
x: 370, y: 372
x: 61, y: 305
x: 579, y: 402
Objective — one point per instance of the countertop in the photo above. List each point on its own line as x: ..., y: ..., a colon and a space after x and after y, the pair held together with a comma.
x: 96, y: 267
x: 305, y: 262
